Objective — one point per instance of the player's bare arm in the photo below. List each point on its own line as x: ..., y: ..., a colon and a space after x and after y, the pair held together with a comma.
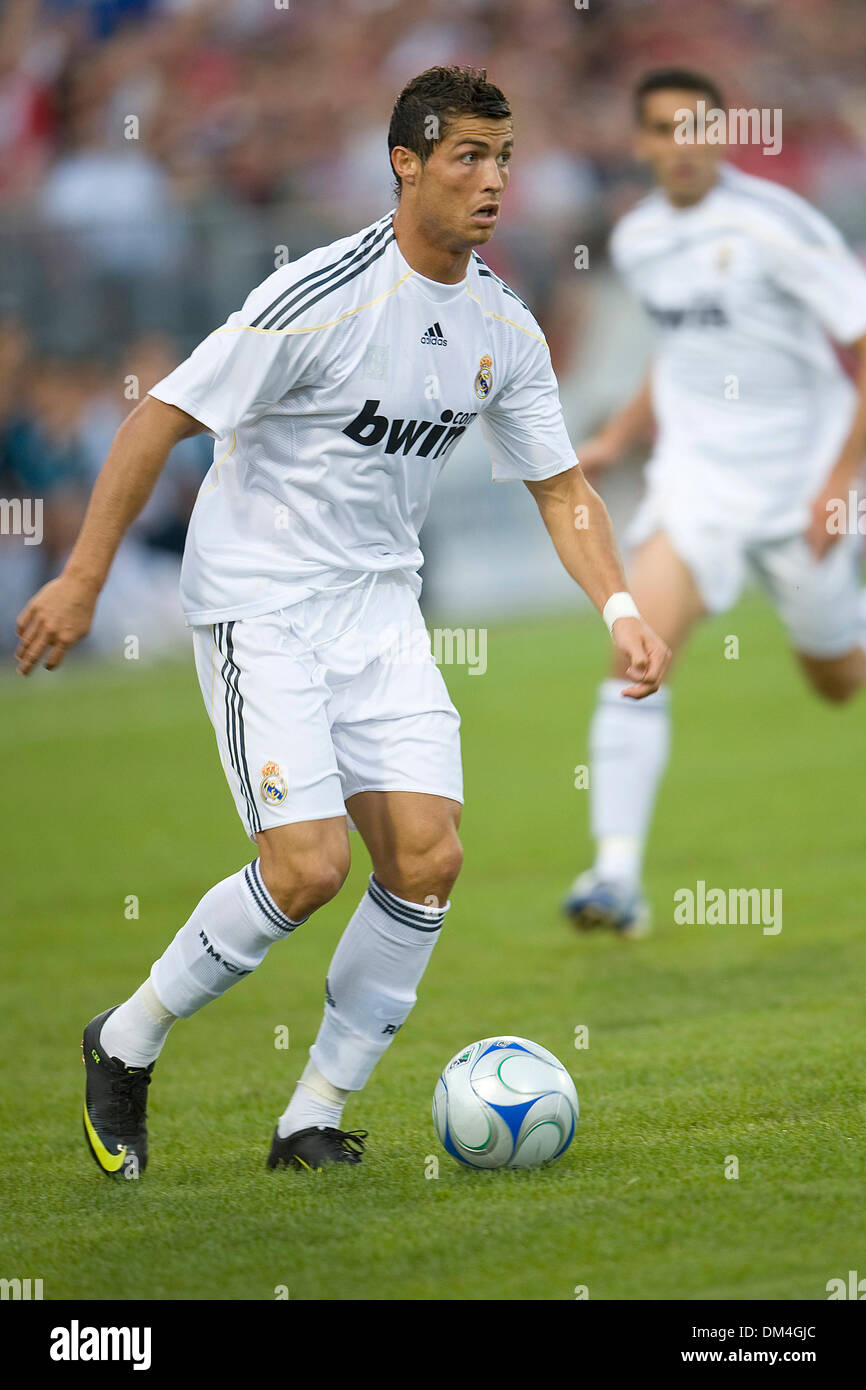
x: 61, y: 613
x: 629, y: 427
x: 580, y: 528
x: 846, y: 469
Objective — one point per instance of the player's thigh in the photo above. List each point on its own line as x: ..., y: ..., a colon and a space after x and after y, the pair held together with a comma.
x: 397, y: 738
x: 412, y: 839
x: 666, y: 592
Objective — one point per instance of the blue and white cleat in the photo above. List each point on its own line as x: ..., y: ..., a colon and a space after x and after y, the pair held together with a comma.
x: 593, y: 902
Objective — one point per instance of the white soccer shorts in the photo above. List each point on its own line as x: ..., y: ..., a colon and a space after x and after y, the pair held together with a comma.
x: 819, y: 601
x: 332, y: 696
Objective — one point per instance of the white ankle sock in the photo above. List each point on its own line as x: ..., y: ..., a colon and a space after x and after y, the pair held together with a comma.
x: 315, y: 1102
x: 619, y: 857
x: 137, y: 1030
x: 629, y: 748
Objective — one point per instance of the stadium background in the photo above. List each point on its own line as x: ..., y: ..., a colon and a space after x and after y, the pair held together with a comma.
x: 258, y: 131
x: 263, y: 128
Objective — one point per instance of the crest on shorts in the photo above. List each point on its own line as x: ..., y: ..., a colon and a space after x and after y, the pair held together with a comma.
x: 484, y: 377
x: 273, y: 788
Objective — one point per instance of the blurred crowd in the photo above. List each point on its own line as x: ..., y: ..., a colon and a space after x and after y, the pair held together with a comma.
x: 156, y: 155
x: 58, y: 417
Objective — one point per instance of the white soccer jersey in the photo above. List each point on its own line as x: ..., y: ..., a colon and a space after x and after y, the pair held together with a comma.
x: 336, y: 395
x: 746, y: 288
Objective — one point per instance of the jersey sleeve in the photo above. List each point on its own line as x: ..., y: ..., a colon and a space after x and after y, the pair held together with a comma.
x: 241, y: 371
x: 523, y: 426
x: 822, y: 274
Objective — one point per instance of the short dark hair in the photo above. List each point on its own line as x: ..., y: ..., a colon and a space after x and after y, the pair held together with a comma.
x: 677, y: 79
x: 441, y: 92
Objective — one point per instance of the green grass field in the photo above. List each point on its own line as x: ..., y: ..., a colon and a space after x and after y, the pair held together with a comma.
x: 704, y: 1042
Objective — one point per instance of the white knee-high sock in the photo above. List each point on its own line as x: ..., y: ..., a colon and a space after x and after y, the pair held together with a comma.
x: 227, y: 936
x: 369, y: 994
x: 629, y: 748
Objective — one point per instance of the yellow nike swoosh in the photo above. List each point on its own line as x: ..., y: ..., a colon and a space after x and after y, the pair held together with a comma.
x: 110, y: 1162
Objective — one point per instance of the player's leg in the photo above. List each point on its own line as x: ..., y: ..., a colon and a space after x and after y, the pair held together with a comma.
x: 629, y: 746
x: 413, y: 841
x: 835, y: 678
x: 396, y: 734
x: 823, y: 607
x: 227, y: 936
x: 258, y: 697
x: 375, y: 972
x: 373, y: 978
x: 300, y: 868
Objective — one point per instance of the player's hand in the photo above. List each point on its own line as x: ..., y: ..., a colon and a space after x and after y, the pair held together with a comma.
x: 600, y: 451
x: 647, y: 655
x: 56, y: 617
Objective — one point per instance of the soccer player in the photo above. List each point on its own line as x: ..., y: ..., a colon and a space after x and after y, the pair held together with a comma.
x: 759, y: 438
x: 335, y: 396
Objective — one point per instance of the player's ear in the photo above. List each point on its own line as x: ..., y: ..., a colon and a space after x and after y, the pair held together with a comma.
x: 406, y: 165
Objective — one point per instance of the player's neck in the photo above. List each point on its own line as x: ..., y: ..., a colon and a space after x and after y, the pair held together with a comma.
x: 681, y: 203
x: 426, y: 257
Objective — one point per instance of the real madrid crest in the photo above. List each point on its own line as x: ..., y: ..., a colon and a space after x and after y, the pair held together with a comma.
x: 273, y: 788
x: 484, y: 379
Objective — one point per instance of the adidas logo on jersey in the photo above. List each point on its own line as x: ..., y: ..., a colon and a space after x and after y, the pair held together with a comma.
x: 434, y: 336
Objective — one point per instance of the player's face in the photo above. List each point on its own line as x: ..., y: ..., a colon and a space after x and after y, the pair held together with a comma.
x: 685, y: 171
x: 460, y: 188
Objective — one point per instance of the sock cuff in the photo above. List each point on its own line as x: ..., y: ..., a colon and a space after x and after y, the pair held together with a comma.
x: 417, y: 915
x: 320, y: 1086
x: 272, y: 919
x: 610, y: 693
x: 153, y: 1005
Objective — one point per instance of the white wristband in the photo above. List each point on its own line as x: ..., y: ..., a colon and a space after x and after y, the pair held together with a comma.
x: 619, y: 606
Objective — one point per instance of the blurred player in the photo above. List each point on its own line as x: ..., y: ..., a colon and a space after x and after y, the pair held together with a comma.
x: 759, y: 434
x: 335, y: 396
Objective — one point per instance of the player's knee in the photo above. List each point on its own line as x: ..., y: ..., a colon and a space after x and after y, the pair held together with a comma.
x: 448, y: 859
x: 837, y: 683
x: 836, y: 680
x: 305, y: 881
x: 426, y: 868
x: 839, y: 690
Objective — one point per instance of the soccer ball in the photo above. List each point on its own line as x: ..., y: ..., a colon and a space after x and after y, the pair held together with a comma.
x: 505, y: 1103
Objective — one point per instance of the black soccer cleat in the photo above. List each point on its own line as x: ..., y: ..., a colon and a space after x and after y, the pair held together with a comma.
x: 115, y: 1106
x: 314, y: 1147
